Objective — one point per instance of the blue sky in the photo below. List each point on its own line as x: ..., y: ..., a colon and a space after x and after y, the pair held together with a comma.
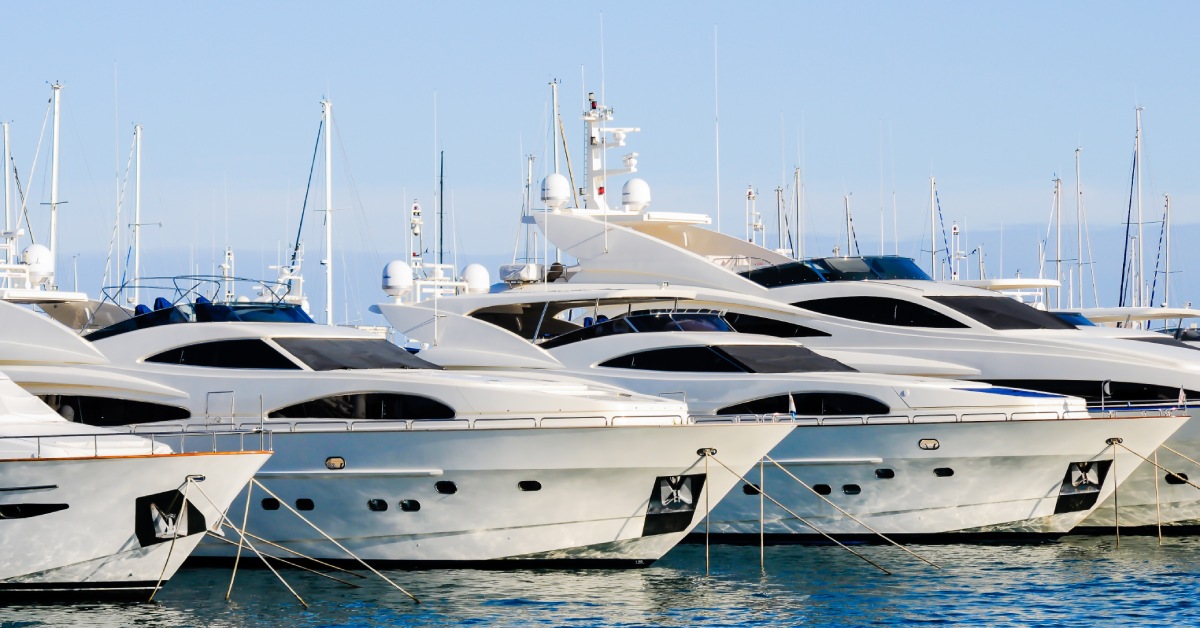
x: 991, y: 98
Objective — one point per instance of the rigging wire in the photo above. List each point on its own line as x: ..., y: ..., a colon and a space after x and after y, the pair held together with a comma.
x: 307, y: 190
x: 1126, y: 266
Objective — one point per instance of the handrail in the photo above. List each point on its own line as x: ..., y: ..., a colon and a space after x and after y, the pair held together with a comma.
x: 213, y: 442
x: 939, y: 417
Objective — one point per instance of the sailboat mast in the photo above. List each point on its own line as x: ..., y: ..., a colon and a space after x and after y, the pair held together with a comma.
x: 553, y: 123
x: 137, y: 208
x: 932, y: 231
x: 1139, y: 288
x: 55, y: 90
x: 7, y: 184
x: 796, y: 184
x: 327, y: 114
x: 1079, y: 229
x: 1167, y: 251
x: 1058, y: 240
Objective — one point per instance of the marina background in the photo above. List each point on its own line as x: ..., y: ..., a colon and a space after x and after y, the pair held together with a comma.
x: 869, y: 99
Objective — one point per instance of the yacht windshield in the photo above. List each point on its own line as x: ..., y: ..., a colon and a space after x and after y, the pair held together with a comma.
x: 1001, y: 312
x: 729, y: 359
x: 1075, y: 318
x: 783, y: 359
x: 329, y: 354
x: 205, y: 312
x: 641, y: 323
x: 867, y: 268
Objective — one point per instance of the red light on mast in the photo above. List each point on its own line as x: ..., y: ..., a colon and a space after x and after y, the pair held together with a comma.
x: 601, y: 190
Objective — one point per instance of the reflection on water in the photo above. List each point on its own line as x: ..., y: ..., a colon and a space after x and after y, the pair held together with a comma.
x: 1076, y: 579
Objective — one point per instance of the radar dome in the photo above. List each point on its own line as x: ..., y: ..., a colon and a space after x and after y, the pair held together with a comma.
x: 556, y: 191
x: 478, y: 279
x: 635, y: 195
x: 397, y: 279
x: 40, y: 261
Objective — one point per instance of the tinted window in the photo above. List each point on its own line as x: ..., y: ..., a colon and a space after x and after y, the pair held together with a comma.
x: 111, y: 412
x: 1003, y: 313
x: 205, y: 312
x: 1075, y: 318
x: 1167, y: 341
x: 606, y: 328
x: 747, y: 324
x: 782, y: 359
x: 811, y: 404
x: 328, y: 354
x: 688, y: 359
x: 251, y: 353
x: 881, y: 311
x: 367, y: 406
x: 788, y: 274
x: 1090, y: 390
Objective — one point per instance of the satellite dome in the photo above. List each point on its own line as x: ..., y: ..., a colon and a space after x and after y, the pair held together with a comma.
x: 635, y: 195
x: 478, y: 279
x: 40, y: 261
x: 397, y: 279
x: 556, y: 191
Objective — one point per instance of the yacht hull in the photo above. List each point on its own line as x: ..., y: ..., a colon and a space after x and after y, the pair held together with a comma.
x: 997, y: 479
x: 1147, y: 498
x: 599, y: 496
x: 95, y: 527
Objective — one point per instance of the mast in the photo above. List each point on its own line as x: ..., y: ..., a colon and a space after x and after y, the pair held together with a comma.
x: 779, y: 241
x: 849, y: 227
x: 442, y: 207
x: 1058, y: 242
x: 1079, y: 229
x: 1167, y: 251
x: 932, y: 231
x: 7, y: 186
x: 55, y: 89
x: 137, y: 208
x: 327, y: 114
x: 796, y: 184
x: 553, y: 125
x: 1139, y: 287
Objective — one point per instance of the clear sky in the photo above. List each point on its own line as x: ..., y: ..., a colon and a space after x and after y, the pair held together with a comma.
x: 869, y: 98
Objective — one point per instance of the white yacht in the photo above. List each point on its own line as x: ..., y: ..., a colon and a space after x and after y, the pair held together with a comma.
x: 90, y: 512
x: 401, y: 462
x: 905, y: 456
x: 879, y: 314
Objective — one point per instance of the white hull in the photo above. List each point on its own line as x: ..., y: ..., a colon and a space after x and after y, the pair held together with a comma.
x: 596, y: 485
x: 1007, y: 477
x: 103, y: 541
x: 1174, y: 504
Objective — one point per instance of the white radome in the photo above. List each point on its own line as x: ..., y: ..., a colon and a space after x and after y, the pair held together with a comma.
x: 397, y: 278
x: 40, y: 261
x: 477, y: 277
x: 635, y: 195
x: 556, y: 191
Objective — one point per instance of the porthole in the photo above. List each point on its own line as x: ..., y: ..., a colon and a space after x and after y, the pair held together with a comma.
x: 1177, y: 478
x: 851, y: 489
x: 335, y: 462
x: 885, y: 474
x: 822, y: 489
x: 270, y: 503
x: 377, y: 505
x: 446, y: 487
x: 943, y: 472
x: 929, y: 444
x: 410, y: 505
x: 751, y: 489
x: 529, y: 485
x: 305, y: 503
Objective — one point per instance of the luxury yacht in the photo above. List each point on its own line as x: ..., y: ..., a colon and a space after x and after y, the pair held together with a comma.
x: 880, y: 314
x: 89, y: 512
x: 400, y: 461
x: 907, y: 456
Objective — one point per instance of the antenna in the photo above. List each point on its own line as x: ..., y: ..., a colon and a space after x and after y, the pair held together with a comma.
x: 56, y: 89
x: 717, y: 127
x: 327, y: 114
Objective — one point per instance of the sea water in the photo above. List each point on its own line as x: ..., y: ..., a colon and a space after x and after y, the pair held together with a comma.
x: 1076, y: 581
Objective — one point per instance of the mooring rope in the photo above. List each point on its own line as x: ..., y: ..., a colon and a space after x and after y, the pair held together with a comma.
x: 798, y: 517
x: 297, y: 554
x: 238, y: 557
x: 852, y: 517
x: 289, y: 563
x: 187, y: 484
x: 334, y: 541
x: 225, y: 519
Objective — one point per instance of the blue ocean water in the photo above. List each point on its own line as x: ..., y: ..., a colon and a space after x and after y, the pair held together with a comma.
x: 1077, y: 580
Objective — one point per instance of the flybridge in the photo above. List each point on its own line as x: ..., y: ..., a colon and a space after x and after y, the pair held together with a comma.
x: 204, y: 311
x: 817, y: 270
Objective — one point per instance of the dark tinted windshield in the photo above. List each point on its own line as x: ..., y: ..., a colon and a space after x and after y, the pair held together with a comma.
x: 881, y: 311
x: 782, y: 359
x: 642, y: 323
x: 328, y: 354
x: 871, y: 267
x: 204, y: 312
x: 1075, y: 318
x: 1001, y: 312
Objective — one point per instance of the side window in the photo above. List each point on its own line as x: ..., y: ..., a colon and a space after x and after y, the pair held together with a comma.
x: 749, y: 324
x: 107, y: 412
x: 881, y: 311
x: 686, y: 359
x: 251, y: 353
x: 811, y: 404
x: 367, y: 406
